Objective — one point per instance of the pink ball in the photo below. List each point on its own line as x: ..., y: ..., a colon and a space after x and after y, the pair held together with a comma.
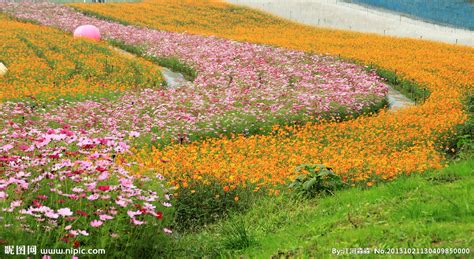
x: 87, y: 31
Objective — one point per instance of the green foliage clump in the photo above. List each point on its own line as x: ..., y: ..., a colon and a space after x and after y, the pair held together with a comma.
x: 317, y: 180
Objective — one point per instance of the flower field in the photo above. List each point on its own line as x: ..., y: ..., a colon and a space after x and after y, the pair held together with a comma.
x: 266, y: 96
x: 238, y: 84
x: 380, y: 147
x: 60, y: 179
x: 47, y: 64
x: 366, y: 149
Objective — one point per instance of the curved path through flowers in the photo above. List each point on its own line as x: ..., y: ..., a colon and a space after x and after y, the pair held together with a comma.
x: 396, y: 99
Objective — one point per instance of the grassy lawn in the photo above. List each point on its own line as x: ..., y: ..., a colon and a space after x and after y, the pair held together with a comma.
x: 418, y: 211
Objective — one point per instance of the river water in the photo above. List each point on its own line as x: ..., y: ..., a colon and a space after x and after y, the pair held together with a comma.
x: 457, y: 13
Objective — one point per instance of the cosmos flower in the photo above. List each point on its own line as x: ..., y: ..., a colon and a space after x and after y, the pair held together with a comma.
x: 96, y: 223
x: 65, y: 212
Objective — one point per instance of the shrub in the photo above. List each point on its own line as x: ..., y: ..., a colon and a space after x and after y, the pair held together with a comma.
x: 316, y: 179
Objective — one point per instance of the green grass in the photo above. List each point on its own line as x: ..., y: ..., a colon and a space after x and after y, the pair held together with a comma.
x: 419, y: 211
x: 410, y: 89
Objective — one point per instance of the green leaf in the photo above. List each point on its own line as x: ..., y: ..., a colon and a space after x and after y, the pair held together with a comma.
x: 301, y: 178
x: 309, y: 184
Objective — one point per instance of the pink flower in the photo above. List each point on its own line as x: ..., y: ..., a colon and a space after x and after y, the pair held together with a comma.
x: 121, y: 202
x: 96, y: 223
x: 65, y: 212
x: 126, y: 182
x: 23, y: 147
x: 51, y: 214
x: 77, y: 189
x: 167, y: 230
x: 93, y: 197
x: 132, y: 214
x: 15, y: 204
x: 105, y: 217
x: 3, y: 195
x: 121, y: 147
x: 90, y: 186
x: 42, y: 197
x: 134, y: 134
x: 137, y: 222
x: 83, y: 232
x: 6, y: 147
x: 103, y: 176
